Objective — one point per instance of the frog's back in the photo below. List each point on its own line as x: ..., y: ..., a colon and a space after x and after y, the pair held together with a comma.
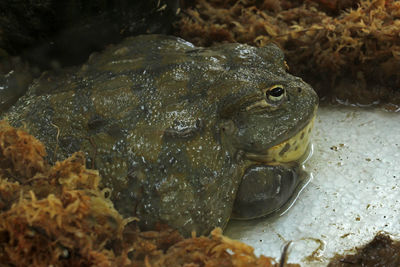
x: 143, y: 113
x: 138, y: 82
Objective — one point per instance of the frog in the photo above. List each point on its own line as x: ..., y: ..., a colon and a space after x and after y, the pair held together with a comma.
x: 181, y: 135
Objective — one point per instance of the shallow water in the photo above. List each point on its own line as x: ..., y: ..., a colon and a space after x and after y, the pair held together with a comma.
x: 354, y: 193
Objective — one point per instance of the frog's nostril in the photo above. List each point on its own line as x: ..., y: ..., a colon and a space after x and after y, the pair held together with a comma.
x: 228, y: 127
x: 299, y: 89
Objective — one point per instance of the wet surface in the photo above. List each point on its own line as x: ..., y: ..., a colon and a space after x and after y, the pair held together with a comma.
x: 355, y: 191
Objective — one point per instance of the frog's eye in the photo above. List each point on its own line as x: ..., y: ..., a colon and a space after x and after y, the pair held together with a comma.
x: 275, y: 93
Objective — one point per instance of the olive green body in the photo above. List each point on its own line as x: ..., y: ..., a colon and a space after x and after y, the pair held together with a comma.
x: 168, y: 125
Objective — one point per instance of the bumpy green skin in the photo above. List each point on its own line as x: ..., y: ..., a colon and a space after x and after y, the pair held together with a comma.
x: 166, y: 123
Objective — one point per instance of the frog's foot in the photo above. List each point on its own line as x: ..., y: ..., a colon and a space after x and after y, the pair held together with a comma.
x: 264, y: 189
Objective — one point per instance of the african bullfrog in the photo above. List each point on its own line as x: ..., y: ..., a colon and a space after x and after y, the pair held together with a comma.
x: 182, y: 135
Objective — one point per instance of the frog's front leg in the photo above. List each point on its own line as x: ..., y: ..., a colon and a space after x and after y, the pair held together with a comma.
x: 264, y: 189
x: 190, y: 184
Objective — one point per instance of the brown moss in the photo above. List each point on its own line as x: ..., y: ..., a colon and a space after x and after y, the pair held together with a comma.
x: 213, y: 251
x: 346, y: 49
x: 20, y: 154
x: 57, y: 215
x: 381, y: 251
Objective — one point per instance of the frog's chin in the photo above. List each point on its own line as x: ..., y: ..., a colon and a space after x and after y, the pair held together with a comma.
x: 293, y: 149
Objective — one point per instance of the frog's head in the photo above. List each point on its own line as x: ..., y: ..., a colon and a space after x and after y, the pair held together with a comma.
x: 270, y: 113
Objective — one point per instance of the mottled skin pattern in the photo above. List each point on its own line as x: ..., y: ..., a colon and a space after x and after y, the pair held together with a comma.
x: 169, y: 125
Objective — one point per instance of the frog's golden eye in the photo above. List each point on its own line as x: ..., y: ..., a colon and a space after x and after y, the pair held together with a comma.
x: 275, y: 93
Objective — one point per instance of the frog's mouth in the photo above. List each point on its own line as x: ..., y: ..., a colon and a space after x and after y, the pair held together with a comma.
x: 291, y: 150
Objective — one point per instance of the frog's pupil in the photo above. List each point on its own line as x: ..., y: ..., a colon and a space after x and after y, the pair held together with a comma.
x: 276, y: 92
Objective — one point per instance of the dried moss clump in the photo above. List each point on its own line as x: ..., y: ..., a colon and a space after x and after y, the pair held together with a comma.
x: 51, y: 214
x: 349, y: 49
x: 381, y: 251
x: 58, y: 216
x: 20, y: 153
